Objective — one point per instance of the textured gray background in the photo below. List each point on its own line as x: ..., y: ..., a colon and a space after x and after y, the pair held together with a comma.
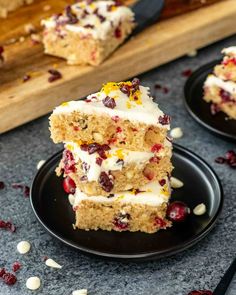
x: 200, y: 267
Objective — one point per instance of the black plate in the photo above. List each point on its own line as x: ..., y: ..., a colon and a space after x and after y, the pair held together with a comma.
x: 200, y: 110
x: 50, y: 205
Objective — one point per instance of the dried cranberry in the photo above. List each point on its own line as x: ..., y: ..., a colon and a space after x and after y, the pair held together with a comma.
x: 72, y: 19
x: 187, y: 73
x: 69, y: 185
x: 7, y: 225
x: 105, y: 147
x: 230, y: 155
x: 125, y: 89
x: 105, y: 182
x: 121, y: 221
x: 177, y: 211
x: 55, y: 75
x: 88, y: 26
x: 118, y: 130
x: 26, y: 78
x: 164, y: 120
x: 157, y: 86
x: 69, y: 162
x: 25, y: 188
x: 2, y: 185
x: 2, y: 272
x: 26, y: 191
x: 165, y: 90
x: 160, y: 222
x: 200, y: 292
x: 135, y: 84
x: 109, y: 102
x: 93, y: 148
x: 225, y: 95
x: 162, y: 182
x: 220, y: 160
x: 214, y: 109
x: 118, y: 33
x: 99, y: 161
x: 2, y: 224
x: 84, y: 147
x: 9, y: 278
x: 16, y: 266
x: 156, y: 147
x: 115, y: 118
x: 155, y: 160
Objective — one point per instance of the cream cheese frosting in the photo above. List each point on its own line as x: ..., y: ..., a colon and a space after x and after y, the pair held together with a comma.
x: 144, y: 110
x: 96, y: 19
x: 152, y: 194
x: 228, y: 86
x: 231, y: 51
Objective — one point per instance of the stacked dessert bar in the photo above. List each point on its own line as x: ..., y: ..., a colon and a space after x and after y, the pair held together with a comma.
x: 117, y: 157
x: 220, y: 87
x: 87, y: 31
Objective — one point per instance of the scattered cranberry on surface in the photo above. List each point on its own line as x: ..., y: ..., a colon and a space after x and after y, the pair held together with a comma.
x: 55, y: 75
x: 200, y: 292
x: 16, y: 266
x: 164, y: 120
x: 187, y: 73
x: 7, y: 225
x: 105, y: 182
x: 165, y: 90
x: 2, y: 272
x: 220, y: 160
x: 177, y: 211
x: 125, y: 89
x: 230, y: 159
x: 225, y: 95
x: 109, y: 102
x: 68, y: 185
x: 2, y: 185
x: 9, y: 278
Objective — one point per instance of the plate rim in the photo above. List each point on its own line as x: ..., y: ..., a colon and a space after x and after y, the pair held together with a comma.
x: 145, y: 255
x: 187, y: 98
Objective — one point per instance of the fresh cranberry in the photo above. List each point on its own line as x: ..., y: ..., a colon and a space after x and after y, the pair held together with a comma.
x: 55, y: 75
x: 177, y: 211
x: 225, y: 95
x: 69, y: 162
x: 2, y: 272
x: 164, y: 120
x: 200, y: 292
x: 16, y: 266
x: 220, y: 160
x: 69, y: 185
x: 162, y: 182
x: 105, y: 182
x: 99, y: 161
x: 155, y: 160
x: 160, y: 222
x: 156, y: 147
x: 187, y: 73
x: 2, y: 185
x: 109, y: 102
x: 121, y: 221
x: 214, y: 109
x: 72, y: 19
x: 118, y: 33
x: 9, y: 278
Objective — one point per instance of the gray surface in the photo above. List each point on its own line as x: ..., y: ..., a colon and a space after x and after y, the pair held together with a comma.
x: 200, y: 267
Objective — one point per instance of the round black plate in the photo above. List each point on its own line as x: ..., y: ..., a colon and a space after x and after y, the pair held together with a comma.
x: 200, y: 110
x: 51, y: 206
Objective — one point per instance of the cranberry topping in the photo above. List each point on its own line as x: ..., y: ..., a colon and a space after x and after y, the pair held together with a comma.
x: 225, y: 95
x: 9, y: 278
x: 109, y: 102
x: 214, y: 109
x: 68, y: 161
x: 125, y: 89
x: 200, y: 292
x: 93, y: 148
x: 156, y: 147
x: 2, y: 185
x: 72, y: 19
x: 162, y: 182
x: 121, y: 221
x: 16, y: 266
x: 25, y: 188
x: 69, y: 185
x: 229, y: 60
x: 177, y: 211
x: 99, y: 161
x: 105, y: 182
x: 26, y: 78
x: 164, y: 120
x: 2, y: 272
x: 84, y: 147
x: 55, y: 75
x: 135, y: 84
x: 155, y: 160
x: 118, y: 33
x: 187, y: 73
x: 101, y: 17
x: 160, y: 222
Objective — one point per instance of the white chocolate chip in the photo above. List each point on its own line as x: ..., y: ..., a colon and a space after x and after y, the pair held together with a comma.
x: 192, y: 53
x: 80, y: 292
x: 71, y: 199
x: 23, y: 247
x: 175, y: 182
x: 51, y: 263
x: 176, y: 132
x: 40, y: 164
x: 200, y: 209
x: 33, y: 283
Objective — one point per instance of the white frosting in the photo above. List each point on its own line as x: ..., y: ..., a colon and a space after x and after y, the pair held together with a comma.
x: 112, y: 162
x: 228, y: 86
x: 147, y: 112
x: 100, y: 29
x: 230, y: 51
x: 152, y: 194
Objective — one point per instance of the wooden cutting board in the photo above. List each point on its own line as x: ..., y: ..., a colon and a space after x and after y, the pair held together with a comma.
x: 167, y: 40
